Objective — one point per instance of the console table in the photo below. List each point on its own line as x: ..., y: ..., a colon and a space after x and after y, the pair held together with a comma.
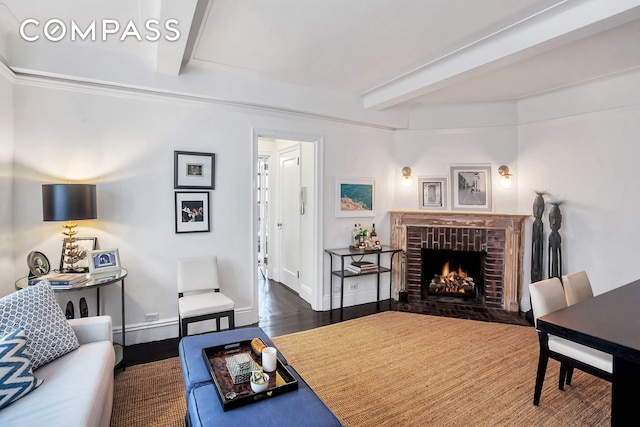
x: 343, y: 273
x: 96, y: 282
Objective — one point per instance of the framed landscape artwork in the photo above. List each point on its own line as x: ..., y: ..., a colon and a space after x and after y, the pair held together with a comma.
x: 432, y: 193
x: 471, y: 188
x: 192, y: 212
x: 355, y: 197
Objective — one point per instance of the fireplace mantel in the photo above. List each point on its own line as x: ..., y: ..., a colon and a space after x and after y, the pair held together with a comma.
x: 511, y: 224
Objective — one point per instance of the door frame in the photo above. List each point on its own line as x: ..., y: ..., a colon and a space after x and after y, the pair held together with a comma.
x: 318, y: 220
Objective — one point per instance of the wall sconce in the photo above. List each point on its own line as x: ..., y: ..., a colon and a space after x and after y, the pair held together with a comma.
x: 69, y: 202
x: 407, y: 180
x: 505, y: 176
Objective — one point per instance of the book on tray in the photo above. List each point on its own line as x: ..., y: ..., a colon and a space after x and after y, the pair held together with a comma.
x: 66, y: 280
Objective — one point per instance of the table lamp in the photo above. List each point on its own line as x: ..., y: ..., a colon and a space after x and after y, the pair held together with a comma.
x: 69, y: 202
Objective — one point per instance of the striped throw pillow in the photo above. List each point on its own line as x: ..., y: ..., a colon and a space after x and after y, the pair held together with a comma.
x: 16, y: 374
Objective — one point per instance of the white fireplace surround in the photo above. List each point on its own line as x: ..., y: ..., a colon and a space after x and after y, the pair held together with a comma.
x: 512, y: 224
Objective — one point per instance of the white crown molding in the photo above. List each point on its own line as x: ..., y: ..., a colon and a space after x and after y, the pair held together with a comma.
x: 131, y: 92
x: 7, y: 72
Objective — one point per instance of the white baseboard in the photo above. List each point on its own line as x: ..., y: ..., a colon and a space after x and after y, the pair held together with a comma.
x: 163, y: 329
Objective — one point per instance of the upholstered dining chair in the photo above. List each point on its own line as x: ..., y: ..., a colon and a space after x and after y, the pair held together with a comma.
x: 199, y: 296
x: 577, y: 287
x: 547, y: 296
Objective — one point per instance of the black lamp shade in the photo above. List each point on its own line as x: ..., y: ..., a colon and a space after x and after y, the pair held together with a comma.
x: 64, y: 202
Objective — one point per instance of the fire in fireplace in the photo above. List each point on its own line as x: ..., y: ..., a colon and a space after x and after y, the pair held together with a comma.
x: 452, y: 282
x: 450, y: 273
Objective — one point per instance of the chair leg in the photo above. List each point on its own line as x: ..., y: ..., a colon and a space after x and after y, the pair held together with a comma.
x: 184, y: 328
x: 563, y: 375
x: 232, y: 320
x: 569, y: 375
x: 542, y: 369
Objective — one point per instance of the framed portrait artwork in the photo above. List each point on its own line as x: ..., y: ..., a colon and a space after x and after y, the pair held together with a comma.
x: 194, y: 170
x: 471, y: 188
x: 104, y: 261
x: 192, y: 212
x: 355, y: 197
x: 85, y: 245
x: 432, y: 193
x: 38, y: 264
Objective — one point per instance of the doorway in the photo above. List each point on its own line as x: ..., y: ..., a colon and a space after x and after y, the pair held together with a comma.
x: 288, y: 213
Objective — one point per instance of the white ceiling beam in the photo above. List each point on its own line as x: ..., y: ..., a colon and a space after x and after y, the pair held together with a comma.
x: 169, y: 54
x: 558, y: 25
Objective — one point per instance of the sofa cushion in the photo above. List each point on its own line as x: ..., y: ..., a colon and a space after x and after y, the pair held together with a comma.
x: 77, y: 391
x: 16, y: 374
x: 35, y: 309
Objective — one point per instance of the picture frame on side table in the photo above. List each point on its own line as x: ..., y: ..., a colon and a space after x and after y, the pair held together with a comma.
x: 38, y: 263
x: 194, y: 170
x: 355, y: 197
x: 85, y: 245
x: 192, y: 212
x: 104, y: 261
x: 471, y: 188
x: 433, y: 193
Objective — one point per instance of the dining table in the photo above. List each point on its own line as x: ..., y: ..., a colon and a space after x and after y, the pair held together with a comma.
x: 609, y: 322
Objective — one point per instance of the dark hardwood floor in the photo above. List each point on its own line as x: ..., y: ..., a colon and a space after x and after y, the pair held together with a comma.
x: 282, y: 312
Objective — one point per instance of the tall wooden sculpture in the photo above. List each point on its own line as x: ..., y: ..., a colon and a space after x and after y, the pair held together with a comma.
x: 555, y: 241
x: 537, y: 253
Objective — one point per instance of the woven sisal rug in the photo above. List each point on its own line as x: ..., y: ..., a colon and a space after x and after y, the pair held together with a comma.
x: 400, y: 369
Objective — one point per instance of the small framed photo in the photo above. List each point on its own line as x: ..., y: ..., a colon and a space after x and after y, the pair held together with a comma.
x: 355, y: 197
x: 85, y: 245
x: 192, y: 212
x: 432, y: 193
x: 104, y: 261
x: 471, y: 188
x: 194, y: 170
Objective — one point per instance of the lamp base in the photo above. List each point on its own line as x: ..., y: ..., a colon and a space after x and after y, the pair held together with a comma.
x: 70, y: 253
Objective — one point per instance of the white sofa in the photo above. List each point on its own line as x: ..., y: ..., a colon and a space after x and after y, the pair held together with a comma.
x: 77, y: 388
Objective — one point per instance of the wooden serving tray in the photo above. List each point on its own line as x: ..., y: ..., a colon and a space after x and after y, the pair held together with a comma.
x: 234, y: 395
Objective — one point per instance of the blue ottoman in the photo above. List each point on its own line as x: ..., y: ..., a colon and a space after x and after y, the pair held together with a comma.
x: 301, y: 407
x: 194, y: 369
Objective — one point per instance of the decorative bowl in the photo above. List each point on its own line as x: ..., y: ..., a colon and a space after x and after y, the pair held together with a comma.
x: 257, y: 388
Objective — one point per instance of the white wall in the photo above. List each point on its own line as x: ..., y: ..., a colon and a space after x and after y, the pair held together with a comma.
x: 359, y: 153
x: 474, y: 134
x: 124, y: 143
x: 6, y: 182
x: 581, y: 145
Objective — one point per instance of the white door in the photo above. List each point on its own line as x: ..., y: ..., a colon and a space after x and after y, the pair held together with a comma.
x: 289, y: 223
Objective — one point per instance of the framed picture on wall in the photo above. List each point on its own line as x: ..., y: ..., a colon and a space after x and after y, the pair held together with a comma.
x: 194, y: 170
x: 432, y: 193
x: 192, y: 212
x: 471, y: 188
x: 355, y: 197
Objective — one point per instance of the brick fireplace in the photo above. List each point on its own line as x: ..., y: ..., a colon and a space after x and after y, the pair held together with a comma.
x: 501, y: 236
